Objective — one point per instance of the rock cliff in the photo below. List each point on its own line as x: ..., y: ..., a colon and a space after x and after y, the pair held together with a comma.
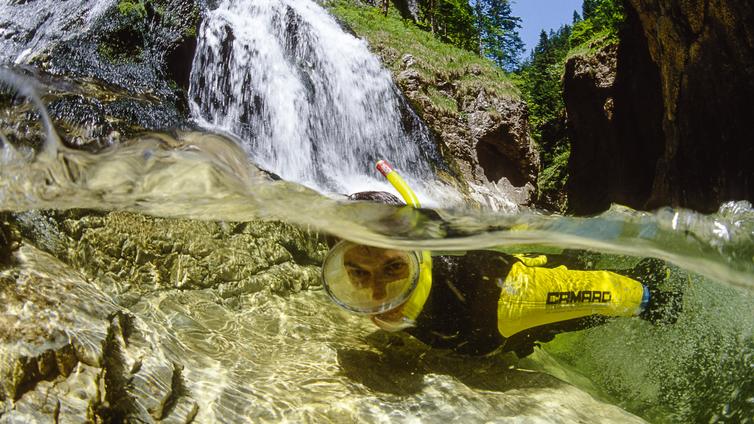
x: 614, y: 108
x: 487, y: 138
x: 705, y: 53
x: 669, y: 123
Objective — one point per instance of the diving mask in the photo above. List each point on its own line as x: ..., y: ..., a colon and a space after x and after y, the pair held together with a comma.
x: 369, y: 280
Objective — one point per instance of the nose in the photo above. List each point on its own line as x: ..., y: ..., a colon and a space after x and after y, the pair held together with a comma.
x: 379, y: 291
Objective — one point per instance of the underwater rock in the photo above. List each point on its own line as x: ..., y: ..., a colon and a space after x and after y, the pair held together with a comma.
x: 189, y: 355
x: 135, y: 255
x: 70, y: 354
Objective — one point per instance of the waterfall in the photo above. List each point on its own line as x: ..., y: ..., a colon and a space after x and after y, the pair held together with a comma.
x: 308, y: 99
x: 28, y: 28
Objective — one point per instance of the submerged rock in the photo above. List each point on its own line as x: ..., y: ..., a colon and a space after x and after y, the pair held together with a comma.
x: 191, y: 355
x: 72, y: 354
x: 136, y: 255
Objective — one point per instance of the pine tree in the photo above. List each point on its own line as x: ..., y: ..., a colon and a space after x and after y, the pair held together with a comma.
x: 498, y: 32
x: 451, y: 21
x: 589, y: 8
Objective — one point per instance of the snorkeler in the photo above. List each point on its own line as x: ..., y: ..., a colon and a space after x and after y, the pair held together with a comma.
x: 484, y: 301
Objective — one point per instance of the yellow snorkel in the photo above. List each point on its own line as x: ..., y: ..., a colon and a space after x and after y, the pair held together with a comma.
x: 399, y: 183
x: 415, y: 303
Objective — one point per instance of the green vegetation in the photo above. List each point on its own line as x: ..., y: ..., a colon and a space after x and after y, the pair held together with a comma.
x: 601, y: 20
x: 133, y: 8
x: 498, y: 32
x: 451, y: 21
x: 541, y: 82
x: 438, y: 63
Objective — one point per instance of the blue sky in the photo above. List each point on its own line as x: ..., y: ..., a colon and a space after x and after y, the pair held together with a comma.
x: 537, y: 15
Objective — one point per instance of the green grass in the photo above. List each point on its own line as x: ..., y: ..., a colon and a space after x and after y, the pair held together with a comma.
x: 392, y: 37
x: 442, y: 101
x: 597, y: 42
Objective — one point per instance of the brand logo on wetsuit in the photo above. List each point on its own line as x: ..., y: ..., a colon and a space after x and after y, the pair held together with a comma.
x: 586, y: 296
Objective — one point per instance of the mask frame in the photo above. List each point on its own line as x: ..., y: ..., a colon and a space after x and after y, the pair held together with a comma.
x: 337, y: 282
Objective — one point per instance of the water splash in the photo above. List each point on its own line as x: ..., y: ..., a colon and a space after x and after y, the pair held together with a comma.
x: 311, y: 103
x: 28, y: 28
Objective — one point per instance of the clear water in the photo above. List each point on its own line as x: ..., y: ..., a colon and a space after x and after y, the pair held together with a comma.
x: 250, y: 355
x: 208, y: 177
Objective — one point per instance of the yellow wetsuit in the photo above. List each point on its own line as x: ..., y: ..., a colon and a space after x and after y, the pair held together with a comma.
x: 483, y: 301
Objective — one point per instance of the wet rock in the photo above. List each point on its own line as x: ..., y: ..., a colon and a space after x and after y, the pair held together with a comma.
x: 87, y: 114
x: 126, y: 71
x: 614, y: 113
x: 131, y: 46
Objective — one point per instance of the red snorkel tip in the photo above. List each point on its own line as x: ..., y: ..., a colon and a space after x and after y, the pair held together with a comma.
x: 384, y: 167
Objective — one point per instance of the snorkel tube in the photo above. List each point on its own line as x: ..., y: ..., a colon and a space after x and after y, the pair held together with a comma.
x: 398, y: 183
x: 415, y: 303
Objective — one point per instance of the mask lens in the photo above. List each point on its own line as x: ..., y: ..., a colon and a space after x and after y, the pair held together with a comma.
x: 369, y: 280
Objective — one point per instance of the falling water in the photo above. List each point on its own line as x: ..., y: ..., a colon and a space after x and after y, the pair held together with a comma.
x: 310, y: 101
x: 27, y: 28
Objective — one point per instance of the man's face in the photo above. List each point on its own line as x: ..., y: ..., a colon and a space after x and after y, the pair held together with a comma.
x: 374, y: 268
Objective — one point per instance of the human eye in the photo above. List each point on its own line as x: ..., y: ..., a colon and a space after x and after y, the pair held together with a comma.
x: 395, y: 268
x: 357, y: 274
